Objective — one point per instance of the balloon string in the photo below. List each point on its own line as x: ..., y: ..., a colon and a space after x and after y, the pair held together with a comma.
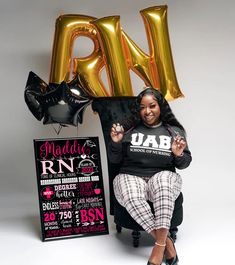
x: 57, y: 131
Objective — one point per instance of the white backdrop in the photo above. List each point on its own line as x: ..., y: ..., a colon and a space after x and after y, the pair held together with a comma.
x: 202, y: 37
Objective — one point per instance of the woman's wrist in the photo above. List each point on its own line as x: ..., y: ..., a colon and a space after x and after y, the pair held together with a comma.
x: 179, y: 155
x: 116, y: 142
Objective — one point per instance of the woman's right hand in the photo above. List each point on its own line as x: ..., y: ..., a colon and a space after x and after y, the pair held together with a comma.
x: 117, y: 132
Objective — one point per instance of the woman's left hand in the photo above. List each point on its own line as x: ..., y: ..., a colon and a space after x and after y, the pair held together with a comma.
x: 178, y: 145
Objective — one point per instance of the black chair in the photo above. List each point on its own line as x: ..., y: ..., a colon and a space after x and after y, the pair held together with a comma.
x: 113, y: 110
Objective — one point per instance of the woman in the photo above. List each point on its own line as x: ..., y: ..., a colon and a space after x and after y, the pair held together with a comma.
x: 149, y: 153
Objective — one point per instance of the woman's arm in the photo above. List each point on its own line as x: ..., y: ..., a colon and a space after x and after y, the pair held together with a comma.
x: 115, y: 152
x: 115, y: 145
x: 180, y: 150
x: 183, y: 160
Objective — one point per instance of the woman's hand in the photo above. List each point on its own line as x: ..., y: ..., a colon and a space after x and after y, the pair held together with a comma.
x: 117, y: 132
x: 178, y: 145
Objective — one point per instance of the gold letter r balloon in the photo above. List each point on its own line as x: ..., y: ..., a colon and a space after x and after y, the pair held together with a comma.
x: 117, y: 53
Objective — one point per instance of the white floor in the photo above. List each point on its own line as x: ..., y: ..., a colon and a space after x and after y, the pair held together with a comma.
x: 206, y: 237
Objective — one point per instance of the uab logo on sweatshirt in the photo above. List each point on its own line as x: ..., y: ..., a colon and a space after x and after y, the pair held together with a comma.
x: 151, y: 144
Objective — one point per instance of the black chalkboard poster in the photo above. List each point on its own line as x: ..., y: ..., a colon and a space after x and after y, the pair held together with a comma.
x: 70, y: 188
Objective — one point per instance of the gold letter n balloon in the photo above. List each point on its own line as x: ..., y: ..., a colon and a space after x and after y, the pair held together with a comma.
x: 117, y: 53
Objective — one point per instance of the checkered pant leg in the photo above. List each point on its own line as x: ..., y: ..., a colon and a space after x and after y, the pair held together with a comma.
x: 163, y: 189
x: 131, y: 192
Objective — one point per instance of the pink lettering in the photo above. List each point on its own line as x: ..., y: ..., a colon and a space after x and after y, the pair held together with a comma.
x: 84, y: 217
x: 91, y: 215
x: 50, y: 148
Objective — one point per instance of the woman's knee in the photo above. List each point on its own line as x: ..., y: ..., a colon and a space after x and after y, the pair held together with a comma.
x: 164, y: 180
x: 129, y: 188
x: 160, y: 179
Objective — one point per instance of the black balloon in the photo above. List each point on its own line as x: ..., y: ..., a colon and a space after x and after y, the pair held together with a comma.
x: 64, y: 103
x: 34, y: 86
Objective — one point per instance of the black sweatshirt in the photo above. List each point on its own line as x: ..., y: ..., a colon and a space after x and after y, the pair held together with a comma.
x: 145, y: 151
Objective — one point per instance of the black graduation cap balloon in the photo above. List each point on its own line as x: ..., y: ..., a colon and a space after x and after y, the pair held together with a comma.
x: 64, y: 103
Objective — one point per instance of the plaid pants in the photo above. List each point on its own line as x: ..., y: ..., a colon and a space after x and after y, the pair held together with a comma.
x: 161, y: 189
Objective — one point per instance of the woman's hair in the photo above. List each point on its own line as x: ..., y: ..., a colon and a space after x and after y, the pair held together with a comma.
x: 167, y: 116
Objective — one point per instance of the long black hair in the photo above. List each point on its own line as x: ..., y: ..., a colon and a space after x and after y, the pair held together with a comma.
x: 167, y: 116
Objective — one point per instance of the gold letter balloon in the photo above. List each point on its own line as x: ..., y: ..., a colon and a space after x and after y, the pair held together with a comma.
x: 115, y: 52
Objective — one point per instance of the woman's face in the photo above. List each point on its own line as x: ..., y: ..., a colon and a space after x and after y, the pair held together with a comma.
x: 150, y: 110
